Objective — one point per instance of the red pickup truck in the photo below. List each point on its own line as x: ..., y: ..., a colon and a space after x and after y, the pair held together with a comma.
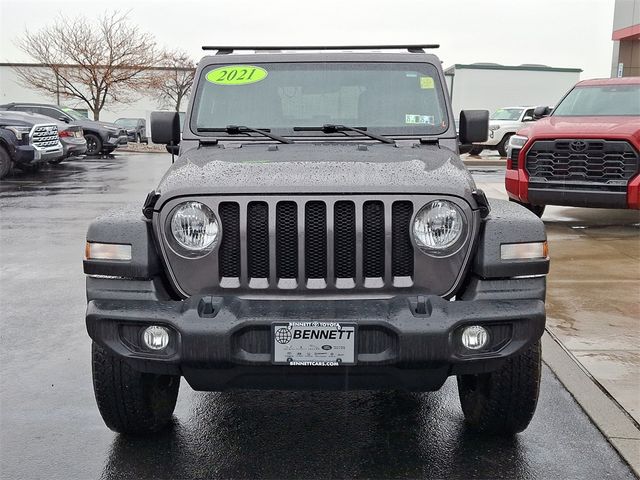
x: 585, y: 154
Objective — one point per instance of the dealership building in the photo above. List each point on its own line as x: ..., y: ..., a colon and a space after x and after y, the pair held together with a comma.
x: 626, y: 39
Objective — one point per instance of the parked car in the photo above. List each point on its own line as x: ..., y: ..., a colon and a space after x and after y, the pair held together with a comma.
x: 136, y: 129
x: 101, y: 137
x: 503, y: 123
x: 27, y: 141
x: 585, y: 154
x: 73, y: 142
x: 318, y: 255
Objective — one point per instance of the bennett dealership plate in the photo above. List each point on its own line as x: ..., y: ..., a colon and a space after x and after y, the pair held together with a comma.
x: 314, y: 344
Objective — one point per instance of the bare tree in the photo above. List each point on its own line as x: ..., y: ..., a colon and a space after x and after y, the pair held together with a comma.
x: 95, y: 64
x: 173, y: 82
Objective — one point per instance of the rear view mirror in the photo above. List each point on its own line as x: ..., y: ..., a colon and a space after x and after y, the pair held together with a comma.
x: 540, y: 112
x: 474, y: 126
x: 165, y: 128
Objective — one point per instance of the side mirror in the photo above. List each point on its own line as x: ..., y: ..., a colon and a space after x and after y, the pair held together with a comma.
x: 527, y: 118
x: 540, y: 112
x: 474, y: 126
x: 64, y: 119
x: 165, y: 128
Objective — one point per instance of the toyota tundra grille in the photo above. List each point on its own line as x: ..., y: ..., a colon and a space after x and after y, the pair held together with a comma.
x: 44, y: 136
x: 582, y: 160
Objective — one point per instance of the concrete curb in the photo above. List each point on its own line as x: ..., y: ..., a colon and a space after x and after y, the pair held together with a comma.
x: 622, y: 432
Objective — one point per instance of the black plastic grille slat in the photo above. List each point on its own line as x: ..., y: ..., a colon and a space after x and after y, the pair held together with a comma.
x: 402, y: 249
x: 314, y: 226
x: 229, y: 253
x: 315, y: 239
x: 258, y: 240
x: 287, y: 240
x: 600, y: 161
x: 344, y: 231
x: 373, y: 239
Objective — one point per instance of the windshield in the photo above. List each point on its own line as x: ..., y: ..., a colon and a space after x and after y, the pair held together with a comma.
x: 600, y: 100
x: 391, y: 98
x: 73, y: 114
x: 507, y: 114
x: 127, y: 122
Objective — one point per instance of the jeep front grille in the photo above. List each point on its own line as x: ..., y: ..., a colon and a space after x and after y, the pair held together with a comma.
x: 317, y: 244
x: 582, y: 160
x: 44, y: 136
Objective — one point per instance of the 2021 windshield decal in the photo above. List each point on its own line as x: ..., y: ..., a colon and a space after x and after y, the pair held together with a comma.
x: 236, y: 75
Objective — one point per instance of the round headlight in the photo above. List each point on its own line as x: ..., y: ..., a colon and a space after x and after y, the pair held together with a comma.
x: 439, y: 227
x: 194, y: 227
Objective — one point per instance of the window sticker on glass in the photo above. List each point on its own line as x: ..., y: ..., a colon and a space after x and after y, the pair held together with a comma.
x: 412, y: 119
x: 236, y: 75
x: 426, y: 83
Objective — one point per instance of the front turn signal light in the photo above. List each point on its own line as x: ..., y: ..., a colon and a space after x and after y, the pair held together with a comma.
x: 524, y: 251
x: 107, y: 251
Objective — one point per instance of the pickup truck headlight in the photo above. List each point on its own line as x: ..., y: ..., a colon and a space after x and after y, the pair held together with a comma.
x: 19, y: 130
x: 517, y: 141
x: 438, y: 228
x: 194, y: 227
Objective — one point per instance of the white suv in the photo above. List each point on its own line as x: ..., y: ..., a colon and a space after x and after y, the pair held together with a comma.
x: 503, y: 123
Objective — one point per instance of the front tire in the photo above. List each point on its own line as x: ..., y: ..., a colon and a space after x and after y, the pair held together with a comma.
x: 5, y: 162
x: 94, y: 144
x: 504, y: 401
x: 502, y: 146
x: 475, y: 150
x: 130, y: 401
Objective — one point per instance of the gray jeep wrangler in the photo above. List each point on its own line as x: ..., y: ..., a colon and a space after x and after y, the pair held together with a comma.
x: 317, y: 231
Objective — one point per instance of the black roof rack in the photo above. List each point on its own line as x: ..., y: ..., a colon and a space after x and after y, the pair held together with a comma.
x: 225, y: 50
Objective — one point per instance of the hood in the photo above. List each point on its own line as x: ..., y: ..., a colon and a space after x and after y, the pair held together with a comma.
x: 589, y: 127
x: 24, y: 118
x: 504, y: 123
x: 317, y: 168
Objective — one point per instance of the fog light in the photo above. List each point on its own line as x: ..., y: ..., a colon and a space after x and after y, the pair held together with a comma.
x: 475, y: 337
x: 155, y: 337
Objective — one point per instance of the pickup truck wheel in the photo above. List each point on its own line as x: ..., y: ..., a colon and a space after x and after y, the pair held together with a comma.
x: 5, y: 162
x: 94, y: 144
x: 130, y: 401
x: 503, y: 401
x: 502, y: 146
x: 476, y: 150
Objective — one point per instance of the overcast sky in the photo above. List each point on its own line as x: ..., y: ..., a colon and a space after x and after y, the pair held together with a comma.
x: 559, y: 33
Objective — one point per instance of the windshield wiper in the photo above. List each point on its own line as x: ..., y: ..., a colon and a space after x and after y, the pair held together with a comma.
x: 238, y: 129
x: 331, y: 128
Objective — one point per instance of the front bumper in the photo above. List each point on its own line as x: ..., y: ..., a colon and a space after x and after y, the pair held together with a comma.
x: 593, y: 195
x: 116, y: 141
x: 30, y: 155
x: 221, y: 343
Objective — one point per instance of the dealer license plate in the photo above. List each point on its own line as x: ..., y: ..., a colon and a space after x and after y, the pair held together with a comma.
x: 314, y: 344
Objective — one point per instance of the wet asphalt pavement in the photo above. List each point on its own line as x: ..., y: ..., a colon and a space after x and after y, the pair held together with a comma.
x: 50, y: 427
